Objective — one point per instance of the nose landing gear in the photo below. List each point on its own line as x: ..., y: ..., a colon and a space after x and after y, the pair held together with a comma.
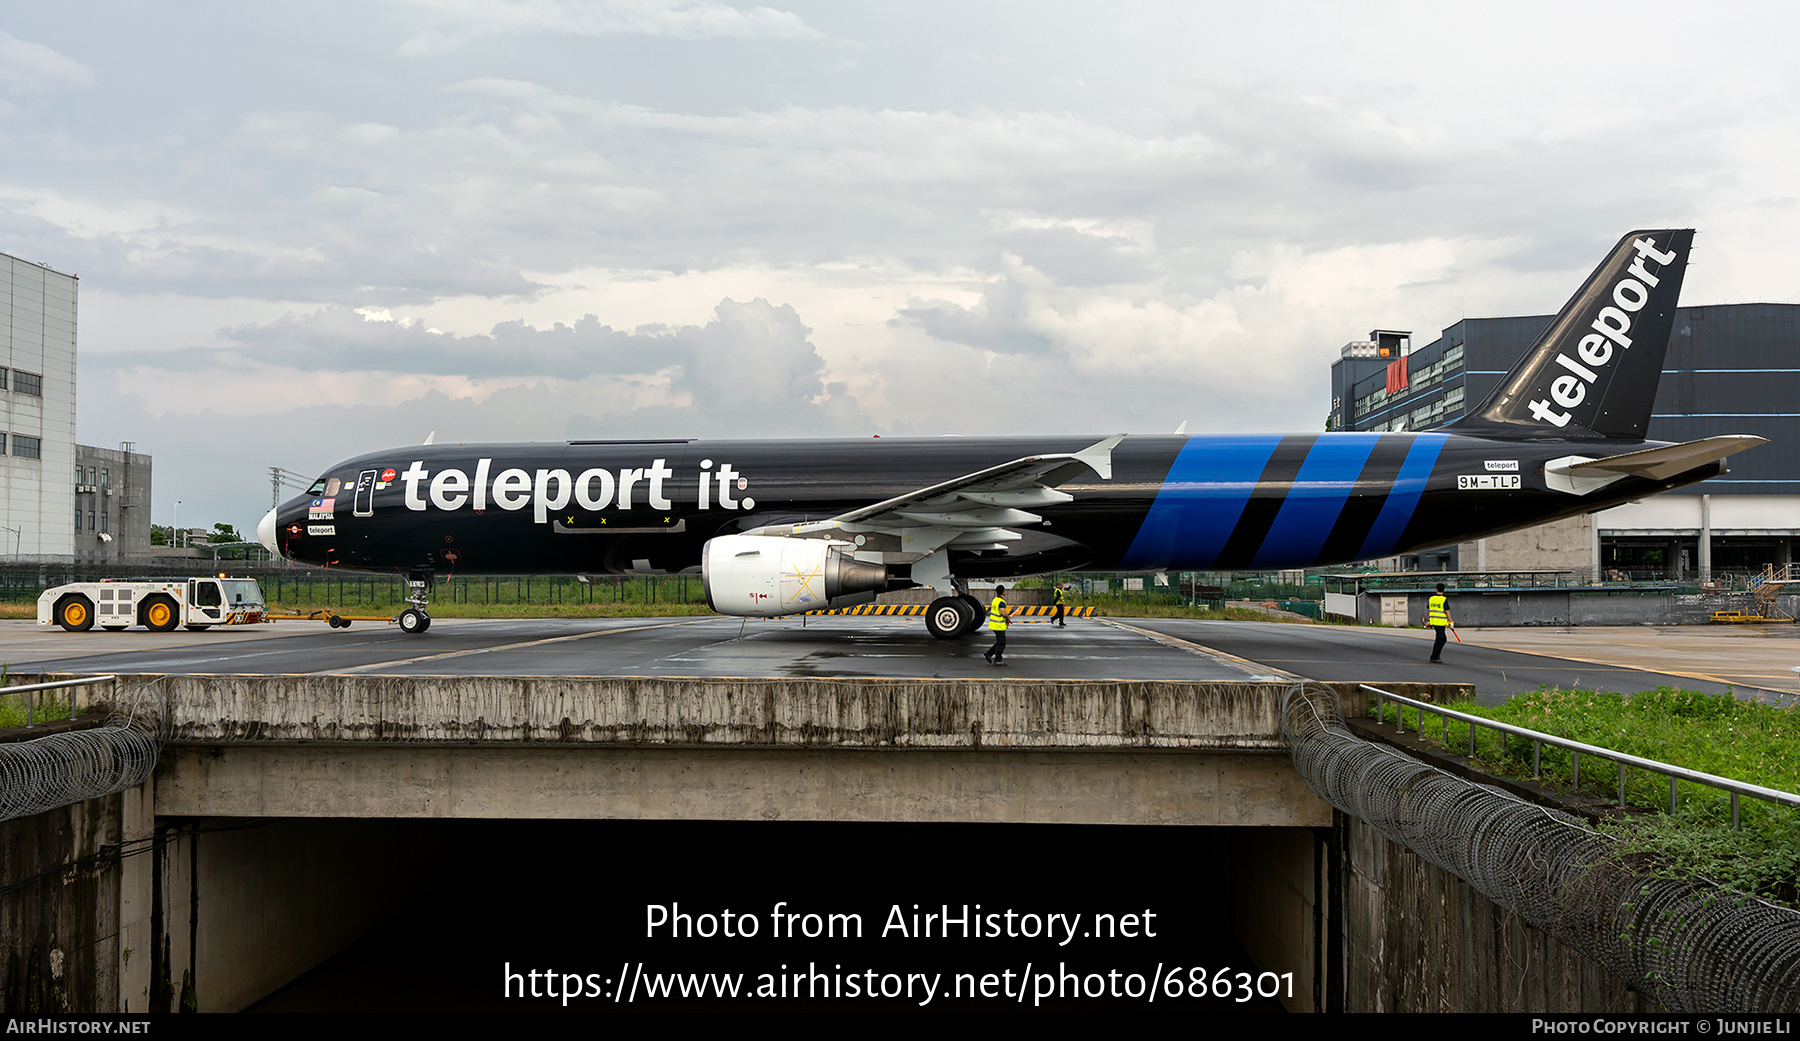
x: 416, y: 619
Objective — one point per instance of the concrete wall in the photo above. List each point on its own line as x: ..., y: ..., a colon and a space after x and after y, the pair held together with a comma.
x: 1419, y: 939
x: 1563, y: 545
x: 246, y: 910
x: 791, y: 713
x: 59, y: 926
x: 736, y: 784
x: 109, y: 914
x: 1278, y: 907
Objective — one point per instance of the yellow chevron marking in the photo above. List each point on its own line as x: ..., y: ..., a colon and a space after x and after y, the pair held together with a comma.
x: 919, y: 609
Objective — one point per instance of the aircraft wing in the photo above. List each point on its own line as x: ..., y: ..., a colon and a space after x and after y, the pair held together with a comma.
x: 974, y: 511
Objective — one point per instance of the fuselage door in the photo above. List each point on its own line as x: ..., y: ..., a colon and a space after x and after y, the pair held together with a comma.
x: 365, y: 494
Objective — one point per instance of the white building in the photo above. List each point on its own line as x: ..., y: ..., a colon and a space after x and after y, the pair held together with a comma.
x: 37, y: 411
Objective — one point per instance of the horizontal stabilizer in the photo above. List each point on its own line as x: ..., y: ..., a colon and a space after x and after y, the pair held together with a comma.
x: 1660, y: 463
x: 1580, y: 475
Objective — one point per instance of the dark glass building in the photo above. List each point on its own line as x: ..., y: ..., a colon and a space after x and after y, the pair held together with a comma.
x: 1730, y: 369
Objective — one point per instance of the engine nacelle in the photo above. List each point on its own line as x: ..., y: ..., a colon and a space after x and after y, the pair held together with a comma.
x: 767, y: 575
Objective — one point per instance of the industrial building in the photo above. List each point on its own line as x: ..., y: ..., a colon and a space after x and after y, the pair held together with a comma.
x: 1730, y: 369
x: 112, y: 504
x: 103, y: 514
x: 37, y: 411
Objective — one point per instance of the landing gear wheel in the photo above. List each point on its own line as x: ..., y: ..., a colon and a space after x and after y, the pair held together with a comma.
x: 949, y: 618
x: 977, y: 612
x: 423, y: 615
x: 160, y: 614
x: 75, y: 614
x: 413, y: 621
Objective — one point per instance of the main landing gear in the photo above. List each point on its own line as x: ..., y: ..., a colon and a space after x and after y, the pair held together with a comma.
x: 954, y: 617
x: 415, y: 619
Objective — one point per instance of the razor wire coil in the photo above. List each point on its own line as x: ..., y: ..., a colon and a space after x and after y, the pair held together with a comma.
x: 62, y: 769
x: 1693, y: 947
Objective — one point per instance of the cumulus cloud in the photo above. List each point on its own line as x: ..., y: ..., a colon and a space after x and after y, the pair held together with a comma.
x: 752, y: 364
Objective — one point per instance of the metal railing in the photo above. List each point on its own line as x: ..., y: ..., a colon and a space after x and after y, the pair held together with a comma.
x: 30, y: 691
x: 1576, y: 750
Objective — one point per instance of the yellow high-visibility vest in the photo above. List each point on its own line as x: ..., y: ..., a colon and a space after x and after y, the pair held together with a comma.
x: 1437, y: 610
x: 1059, y: 596
x: 997, y: 614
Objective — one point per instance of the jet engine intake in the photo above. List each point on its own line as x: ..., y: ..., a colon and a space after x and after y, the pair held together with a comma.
x: 766, y: 575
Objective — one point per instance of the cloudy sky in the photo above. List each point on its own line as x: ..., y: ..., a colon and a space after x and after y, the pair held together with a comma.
x: 306, y: 230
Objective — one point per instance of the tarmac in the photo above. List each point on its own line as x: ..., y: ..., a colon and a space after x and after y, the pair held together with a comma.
x: 1498, y: 662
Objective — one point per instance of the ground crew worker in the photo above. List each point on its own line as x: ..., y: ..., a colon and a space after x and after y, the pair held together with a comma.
x: 997, y: 615
x: 1061, y: 605
x: 1437, y: 616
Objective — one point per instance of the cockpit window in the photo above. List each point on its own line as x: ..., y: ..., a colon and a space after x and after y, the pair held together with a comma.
x: 318, y: 487
x: 332, y: 486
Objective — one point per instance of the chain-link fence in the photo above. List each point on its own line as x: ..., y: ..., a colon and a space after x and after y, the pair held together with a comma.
x: 62, y: 769
x: 316, y: 587
x: 323, y: 589
x: 1693, y: 947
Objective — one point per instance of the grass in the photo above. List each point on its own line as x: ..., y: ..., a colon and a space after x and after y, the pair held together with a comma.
x: 12, y: 709
x: 1716, y: 734
x: 46, y: 706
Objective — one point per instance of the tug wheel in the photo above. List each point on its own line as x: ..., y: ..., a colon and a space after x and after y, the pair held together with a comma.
x: 75, y: 613
x: 160, y: 614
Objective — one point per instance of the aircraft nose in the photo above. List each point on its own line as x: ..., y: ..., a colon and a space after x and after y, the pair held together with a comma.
x: 265, y: 533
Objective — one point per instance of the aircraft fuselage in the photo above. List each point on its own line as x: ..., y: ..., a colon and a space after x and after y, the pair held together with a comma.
x: 1228, y: 501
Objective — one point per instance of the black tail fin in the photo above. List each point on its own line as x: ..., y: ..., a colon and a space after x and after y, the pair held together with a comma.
x: 1593, y: 374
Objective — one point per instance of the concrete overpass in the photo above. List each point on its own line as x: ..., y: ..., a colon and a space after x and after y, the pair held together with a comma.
x: 1068, y: 752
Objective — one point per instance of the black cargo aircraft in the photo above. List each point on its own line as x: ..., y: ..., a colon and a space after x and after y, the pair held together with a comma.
x: 781, y: 527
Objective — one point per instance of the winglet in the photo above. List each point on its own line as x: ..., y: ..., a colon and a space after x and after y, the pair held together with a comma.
x: 1098, y: 457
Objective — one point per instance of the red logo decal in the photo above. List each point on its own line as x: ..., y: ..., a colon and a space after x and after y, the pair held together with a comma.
x: 388, y: 474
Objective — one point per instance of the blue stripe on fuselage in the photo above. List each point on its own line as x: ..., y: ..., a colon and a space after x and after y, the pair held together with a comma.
x: 1404, y: 498
x: 1312, y: 505
x: 1200, y: 501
